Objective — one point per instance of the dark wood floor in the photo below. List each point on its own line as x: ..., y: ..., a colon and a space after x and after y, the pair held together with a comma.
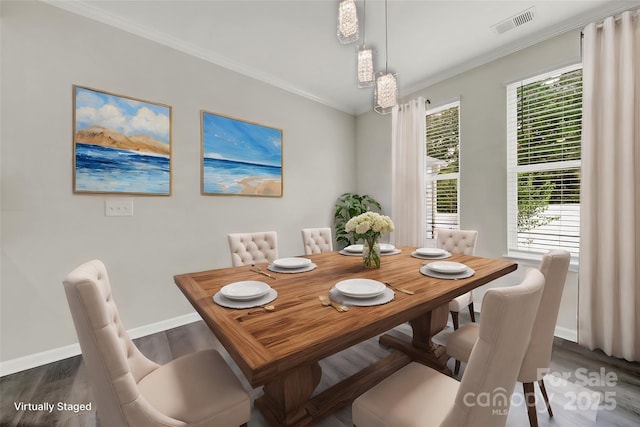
x: 575, y: 402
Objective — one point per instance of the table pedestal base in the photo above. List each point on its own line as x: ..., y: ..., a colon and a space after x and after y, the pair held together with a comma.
x: 284, y: 399
x: 283, y: 406
x: 421, y: 348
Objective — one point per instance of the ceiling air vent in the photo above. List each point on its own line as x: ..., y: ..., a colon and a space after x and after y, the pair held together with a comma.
x: 515, y: 21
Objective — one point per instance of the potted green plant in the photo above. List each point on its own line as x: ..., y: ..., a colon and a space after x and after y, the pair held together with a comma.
x: 348, y: 206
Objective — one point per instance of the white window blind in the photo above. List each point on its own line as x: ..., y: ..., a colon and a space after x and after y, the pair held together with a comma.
x: 544, y: 125
x: 442, y: 167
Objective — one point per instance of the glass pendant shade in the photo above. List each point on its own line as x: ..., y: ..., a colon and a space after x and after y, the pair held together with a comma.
x: 385, y: 93
x: 348, y: 28
x: 365, y: 67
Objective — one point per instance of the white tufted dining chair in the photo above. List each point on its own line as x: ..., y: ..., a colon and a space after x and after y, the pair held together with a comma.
x: 419, y: 396
x: 317, y: 240
x: 458, y: 242
x: 253, y: 248
x: 197, y: 390
x: 535, y: 365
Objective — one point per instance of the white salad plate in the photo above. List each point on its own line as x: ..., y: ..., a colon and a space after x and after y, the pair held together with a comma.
x: 360, y: 288
x: 430, y: 252
x: 293, y: 262
x: 383, y: 298
x: 386, y: 247
x: 447, y: 267
x: 307, y: 267
x: 245, y: 290
x: 221, y: 300
x: 354, y: 248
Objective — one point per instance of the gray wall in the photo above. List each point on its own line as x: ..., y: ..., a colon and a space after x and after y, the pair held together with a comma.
x: 47, y: 230
x: 483, y: 159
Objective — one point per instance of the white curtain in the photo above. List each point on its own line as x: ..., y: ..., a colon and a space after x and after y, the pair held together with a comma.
x: 408, y: 124
x: 609, y: 290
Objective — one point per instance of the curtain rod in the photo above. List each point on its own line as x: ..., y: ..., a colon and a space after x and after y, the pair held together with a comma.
x: 635, y: 14
x: 617, y: 18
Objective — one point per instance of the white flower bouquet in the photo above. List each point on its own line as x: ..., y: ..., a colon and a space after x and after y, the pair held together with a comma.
x: 369, y: 226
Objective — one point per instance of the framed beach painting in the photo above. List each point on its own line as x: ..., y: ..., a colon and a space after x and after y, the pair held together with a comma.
x: 240, y: 157
x: 121, y: 144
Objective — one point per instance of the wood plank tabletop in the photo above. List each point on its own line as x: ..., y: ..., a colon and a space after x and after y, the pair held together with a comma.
x: 301, y: 330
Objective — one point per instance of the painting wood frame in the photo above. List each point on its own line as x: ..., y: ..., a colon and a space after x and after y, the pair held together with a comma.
x: 121, y: 145
x: 240, y: 157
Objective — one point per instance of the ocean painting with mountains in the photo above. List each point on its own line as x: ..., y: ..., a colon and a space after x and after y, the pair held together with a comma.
x: 240, y: 157
x: 122, y: 144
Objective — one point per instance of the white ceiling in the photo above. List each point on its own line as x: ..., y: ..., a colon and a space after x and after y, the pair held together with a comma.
x: 293, y: 44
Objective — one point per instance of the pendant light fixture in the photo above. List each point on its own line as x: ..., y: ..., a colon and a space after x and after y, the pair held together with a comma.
x: 365, y: 56
x: 348, y: 28
x: 386, y: 87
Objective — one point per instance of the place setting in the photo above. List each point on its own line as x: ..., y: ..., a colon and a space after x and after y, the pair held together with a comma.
x: 291, y: 265
x: 361, y: 292
x: 430, y: 253
x: 447, y: 270
x: 245, y: 294
x: 356, y: 250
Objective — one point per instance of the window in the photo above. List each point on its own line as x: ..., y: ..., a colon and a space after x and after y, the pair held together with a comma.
x: 544, y: 125
x: 442, y: 167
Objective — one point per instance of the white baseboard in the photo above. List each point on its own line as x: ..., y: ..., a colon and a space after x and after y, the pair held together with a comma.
x: 38, y: 359
x: 566, y: 333
x: 33, y: 360
x: 164, y: 325
x: 560, y: 331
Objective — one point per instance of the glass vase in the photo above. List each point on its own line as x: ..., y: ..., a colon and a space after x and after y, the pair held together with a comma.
x: 371, y: 252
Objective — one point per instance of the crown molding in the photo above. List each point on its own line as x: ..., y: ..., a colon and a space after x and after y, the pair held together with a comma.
x: 87, y: 10
x: 578, y: 22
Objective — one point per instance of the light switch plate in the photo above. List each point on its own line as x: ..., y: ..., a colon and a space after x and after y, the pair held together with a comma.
x: 118, y: 207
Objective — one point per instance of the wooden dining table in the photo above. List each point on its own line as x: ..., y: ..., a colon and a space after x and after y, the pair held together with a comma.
x: 280, y: 349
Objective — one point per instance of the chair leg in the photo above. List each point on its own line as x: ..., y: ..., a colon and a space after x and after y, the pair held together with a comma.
x: 546, y: 398
x: 472, y: 313
x: 454, y: 317
x: 456, y: 368
x: 530, y: 398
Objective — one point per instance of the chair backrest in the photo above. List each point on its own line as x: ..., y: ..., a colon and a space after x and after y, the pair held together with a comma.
x: 457, y: 241
x: 253, y: 248
x: 484, y: 396
x: 554, y: 267
x: 317, y: 240
x: 114, y: 364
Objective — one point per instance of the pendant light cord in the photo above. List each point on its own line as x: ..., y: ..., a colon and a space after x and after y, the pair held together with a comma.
x: 386, y: 39
x: 364, y: 23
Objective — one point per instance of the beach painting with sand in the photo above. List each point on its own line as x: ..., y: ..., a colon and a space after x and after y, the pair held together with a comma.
x: 240, y: 157
x: 121, y: 145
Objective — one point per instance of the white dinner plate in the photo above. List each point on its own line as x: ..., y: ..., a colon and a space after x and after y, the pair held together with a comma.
x: 386, y: 296
x: 447, y: 267
x: 220, y: 299
x: 293, y: 262
x: 354, y: 248
x: 386, y: 247
x: 360, y: 288
x: 276, y: 269
x: 245, y: 290
x: 430, y: 251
